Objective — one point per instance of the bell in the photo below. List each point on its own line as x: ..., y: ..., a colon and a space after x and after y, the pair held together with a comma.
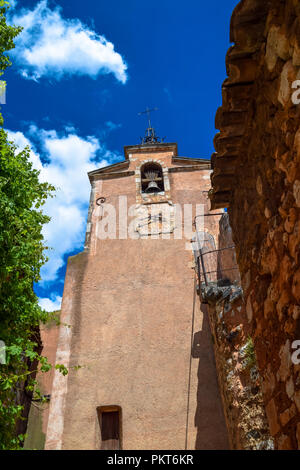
x: 152, y: 187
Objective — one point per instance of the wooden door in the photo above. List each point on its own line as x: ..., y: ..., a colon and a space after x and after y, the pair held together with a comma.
x: 110, y: 430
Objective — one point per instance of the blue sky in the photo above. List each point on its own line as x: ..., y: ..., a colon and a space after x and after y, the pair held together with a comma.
x: 81, y: 73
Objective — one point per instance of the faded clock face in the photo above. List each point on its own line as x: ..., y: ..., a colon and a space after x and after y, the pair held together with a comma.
x: 156, y: 219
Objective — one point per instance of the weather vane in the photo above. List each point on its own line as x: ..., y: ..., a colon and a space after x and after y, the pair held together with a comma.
x: 150, y: 135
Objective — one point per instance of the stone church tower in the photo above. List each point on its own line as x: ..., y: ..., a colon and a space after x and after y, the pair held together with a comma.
x: 131, y: 316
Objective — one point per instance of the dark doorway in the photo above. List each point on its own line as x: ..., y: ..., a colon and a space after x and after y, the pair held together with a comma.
x: 110, y: 422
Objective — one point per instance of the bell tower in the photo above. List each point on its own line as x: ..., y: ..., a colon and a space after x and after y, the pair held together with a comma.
x: 134, y: 320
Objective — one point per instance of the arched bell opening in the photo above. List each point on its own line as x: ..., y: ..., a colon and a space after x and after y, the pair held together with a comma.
x: 152, y: 178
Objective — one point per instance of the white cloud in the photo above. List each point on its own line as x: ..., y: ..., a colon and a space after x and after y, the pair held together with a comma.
x: 53, y: 46
x: 69, y: 158
x: 111, y: 126
x: 51, y: 305
x: 169, y: 95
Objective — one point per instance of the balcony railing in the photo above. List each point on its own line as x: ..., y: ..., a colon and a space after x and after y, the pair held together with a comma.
x: 214, y: 265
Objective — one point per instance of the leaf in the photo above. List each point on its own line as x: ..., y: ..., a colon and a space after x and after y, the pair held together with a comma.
x: 62, y: 369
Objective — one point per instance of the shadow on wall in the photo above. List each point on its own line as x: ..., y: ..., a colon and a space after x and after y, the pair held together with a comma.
x: 209, y: 418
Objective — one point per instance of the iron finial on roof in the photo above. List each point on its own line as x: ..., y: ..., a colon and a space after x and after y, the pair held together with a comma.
x: 150, y: 134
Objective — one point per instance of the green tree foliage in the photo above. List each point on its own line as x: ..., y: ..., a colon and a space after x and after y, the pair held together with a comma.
x: 21, y: 255
x: 22, y: 196
x: 7, y: 35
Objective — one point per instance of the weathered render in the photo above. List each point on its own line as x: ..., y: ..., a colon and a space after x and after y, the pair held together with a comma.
x: 136, y: 325
x: 256, y: 174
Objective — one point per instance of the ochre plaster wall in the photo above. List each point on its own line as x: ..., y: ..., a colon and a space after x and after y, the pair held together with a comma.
x: 139, y: 334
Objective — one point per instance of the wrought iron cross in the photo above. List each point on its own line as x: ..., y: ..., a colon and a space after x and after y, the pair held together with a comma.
x: 148, y: 111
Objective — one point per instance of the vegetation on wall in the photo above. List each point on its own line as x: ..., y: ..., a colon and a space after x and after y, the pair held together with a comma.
x: 250, y: 357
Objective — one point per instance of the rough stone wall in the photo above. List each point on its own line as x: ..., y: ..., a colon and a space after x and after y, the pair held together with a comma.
x: 227, y: 265
x: 239, y: 380
x: 257, y: 176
